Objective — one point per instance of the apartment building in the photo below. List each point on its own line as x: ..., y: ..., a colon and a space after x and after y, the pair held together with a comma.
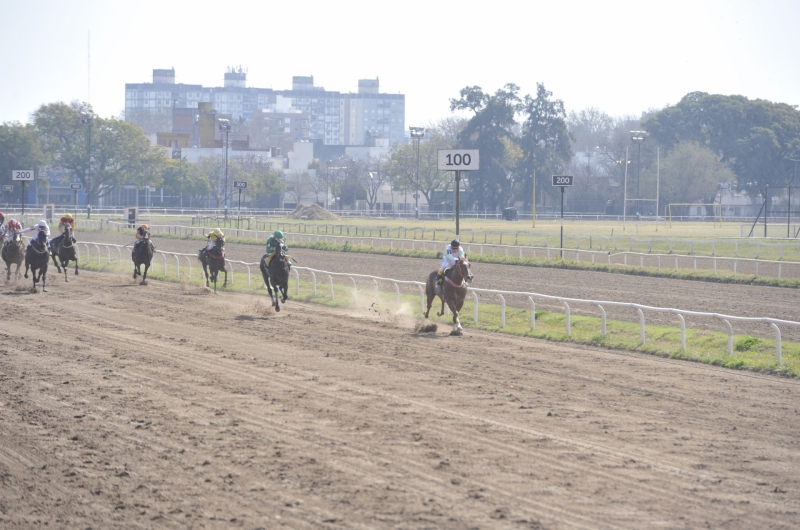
x: 304, y: 112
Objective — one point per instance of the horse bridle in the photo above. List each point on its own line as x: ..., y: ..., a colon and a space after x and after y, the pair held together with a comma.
x: 64, y: 239
x: 457, y: 270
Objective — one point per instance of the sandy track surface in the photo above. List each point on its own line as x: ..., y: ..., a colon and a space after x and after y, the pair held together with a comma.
x: 165, y: 406
x: 730, y: 299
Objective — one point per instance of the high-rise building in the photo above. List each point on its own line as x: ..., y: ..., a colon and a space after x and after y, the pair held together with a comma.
x: 305, y: 112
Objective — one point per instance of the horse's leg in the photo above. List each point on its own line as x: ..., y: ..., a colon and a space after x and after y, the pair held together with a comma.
x: 76, y: 264
x: 225, y: 283
x: 205, y: 272
x: 440, y: 313
x: 66, y: 270
x: 55, y: 262
x: 269, y: 288
x: 144, y: 276
x: 43, y: 272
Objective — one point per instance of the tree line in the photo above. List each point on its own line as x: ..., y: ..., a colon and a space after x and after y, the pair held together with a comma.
x: 691, y: 148
x: 106, y: 154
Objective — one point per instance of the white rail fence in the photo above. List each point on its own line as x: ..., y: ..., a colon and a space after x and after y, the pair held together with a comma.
x: 680, y: 314
x: 735, y: 265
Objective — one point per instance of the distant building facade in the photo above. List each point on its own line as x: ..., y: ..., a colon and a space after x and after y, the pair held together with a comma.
x: 279, y: 117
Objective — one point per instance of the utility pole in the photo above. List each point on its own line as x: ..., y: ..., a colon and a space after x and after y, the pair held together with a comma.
x: 417, y: 133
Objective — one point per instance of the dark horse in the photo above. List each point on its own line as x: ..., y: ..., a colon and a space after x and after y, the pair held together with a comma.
x: 214, y: 260
x: 14, y: 252
x: 142, y: 254
x: 64, y: 250
x: 453, y: 290
x: 36, y: 259
x: 278, y: 275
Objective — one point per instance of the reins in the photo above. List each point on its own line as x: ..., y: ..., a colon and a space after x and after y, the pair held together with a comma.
x: 457, y: 270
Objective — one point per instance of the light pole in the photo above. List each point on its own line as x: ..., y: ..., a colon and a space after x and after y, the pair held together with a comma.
x: 225, y: 126
x: 417, y: 133
x: 176, y: 154
x: 86, y: 121
x: 638, y: 137
x: 327, y: 183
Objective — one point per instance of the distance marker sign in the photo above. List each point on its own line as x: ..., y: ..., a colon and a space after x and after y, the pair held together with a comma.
x: 22, y: 174
x: 459, y: 159
x: 240, y: 184
x: 563, y: 180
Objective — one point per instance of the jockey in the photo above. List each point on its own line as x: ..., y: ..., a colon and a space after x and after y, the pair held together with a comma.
x: 272, y: 246
x: 213, y: 236
x: 8, y: 230
x: 3, y: 229
x: 62, y: 223
x: 140, y: 235
x: 452, y: 254
x: 41, y: 226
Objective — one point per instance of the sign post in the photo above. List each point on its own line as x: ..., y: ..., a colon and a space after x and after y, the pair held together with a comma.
x: 563, y: 181
x: 75, y: 187
x: 23, y: 175
x: 240, y: 185
x: 458, y: 160
x: 7, y: 189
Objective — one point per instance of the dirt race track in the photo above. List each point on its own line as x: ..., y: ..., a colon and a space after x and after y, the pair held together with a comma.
x: 125, y: 406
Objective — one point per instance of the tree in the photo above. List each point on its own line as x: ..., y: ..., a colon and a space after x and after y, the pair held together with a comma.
x: 213, y: 169
x: 545, y: 140
x: 493, y: 122
x: 19, y: 149
x: 298, y: 185
x: 757, y: 138
x: 691, y: 172
x: 102, y: 153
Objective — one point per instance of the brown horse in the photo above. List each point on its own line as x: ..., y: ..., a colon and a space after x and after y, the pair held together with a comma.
x: 14, y: 252
x: 453, y: 290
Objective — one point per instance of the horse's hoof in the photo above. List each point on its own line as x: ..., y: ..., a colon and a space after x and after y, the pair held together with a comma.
x: 456, y: 333
x: 44, y: 289
x: 66, y: 279
x: 143, y: 282
x: 76, y: 272
x: 438, y: 314
x: 277, y: 309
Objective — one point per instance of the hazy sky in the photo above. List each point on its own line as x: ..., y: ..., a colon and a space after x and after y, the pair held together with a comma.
x: 621, y: 57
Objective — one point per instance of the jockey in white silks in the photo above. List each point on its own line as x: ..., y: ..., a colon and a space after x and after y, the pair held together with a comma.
x: 41, y: 226
x: 452, y: 254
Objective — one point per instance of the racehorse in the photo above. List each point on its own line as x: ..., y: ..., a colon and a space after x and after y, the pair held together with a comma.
x: 14, y: 252
x: 453, y: 290
x: 278, y: 275
x: 36, y: 259
x: 214, y: 260
x: 142, y: 254
x: 64, y: 250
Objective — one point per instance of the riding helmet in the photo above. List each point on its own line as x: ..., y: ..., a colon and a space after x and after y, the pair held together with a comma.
x: 2, y: 216
x: 454, y: 243
x: 145, y: 227
x: 67, y: 216
x: 278, y: 234
x: 43, y: 223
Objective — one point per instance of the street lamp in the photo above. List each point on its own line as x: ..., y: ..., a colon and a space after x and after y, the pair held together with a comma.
x: 417, y: 133
x: 86, y: 121
x: 225, y: 126
x: 638, y: 137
